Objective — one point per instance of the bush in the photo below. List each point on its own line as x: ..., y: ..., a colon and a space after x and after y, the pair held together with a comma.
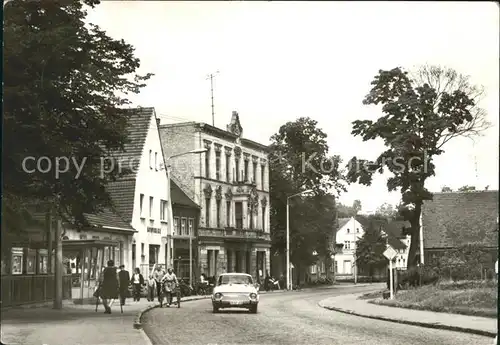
x: 415, y: 276
x: 468, y: 284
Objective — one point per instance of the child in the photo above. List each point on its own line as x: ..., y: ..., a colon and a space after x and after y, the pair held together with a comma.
x: 151, y: 288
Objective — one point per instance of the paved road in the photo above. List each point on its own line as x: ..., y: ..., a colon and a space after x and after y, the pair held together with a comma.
x: 288, y: 318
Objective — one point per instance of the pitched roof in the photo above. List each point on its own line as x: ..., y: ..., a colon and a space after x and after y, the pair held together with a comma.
x: 122, y: 190
x: 178, y: 196
x: 342, y: 222
x: 107, y: 218
x: 139, y: 122
x: 392, y: 229
x: 122, y: 195
x: 456, y: 218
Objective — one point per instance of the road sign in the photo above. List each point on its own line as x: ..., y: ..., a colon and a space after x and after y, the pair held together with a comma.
x: 390, y: 253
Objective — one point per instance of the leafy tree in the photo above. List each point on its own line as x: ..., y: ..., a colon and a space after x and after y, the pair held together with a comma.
x: 299, y: 161
x: 370, y: 249
x: 65, y: 83
x: 420, y: 115
x: 356, y: 206
x: 465, y: 189
x: 344, y: 211
x: 386, y: 210
x: 446, y: 189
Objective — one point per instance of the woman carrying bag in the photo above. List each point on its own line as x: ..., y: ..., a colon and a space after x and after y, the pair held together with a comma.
x: 109, y: 286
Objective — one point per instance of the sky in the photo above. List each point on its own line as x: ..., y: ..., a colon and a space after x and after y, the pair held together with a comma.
x: 278, y: 61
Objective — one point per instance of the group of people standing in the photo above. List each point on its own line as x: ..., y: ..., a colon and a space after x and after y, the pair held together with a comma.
x: 114, y: 284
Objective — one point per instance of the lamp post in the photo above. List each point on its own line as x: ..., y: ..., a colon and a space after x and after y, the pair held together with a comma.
x: 288, y: 282
x: 172, y: 219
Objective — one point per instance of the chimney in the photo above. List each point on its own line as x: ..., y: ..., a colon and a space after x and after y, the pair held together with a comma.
x: 158, y: 122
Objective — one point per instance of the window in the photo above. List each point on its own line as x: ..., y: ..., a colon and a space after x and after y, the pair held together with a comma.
x: 239, y: 214
x: 163, y: 210
x: 246, y: 170
x: 237, y: 169
x: 83, y: 237
x: 228, y: 213
x: 228, y: 166
x: 207, y: 164
x: 190, y: 226
x: 177, y: 225
x: 357, y: 230
x: 347, y: 245
x: 154, y: 251
x: 218, y: 213
x: 313, y: 269
x: 142, y: 249
x: 348, y: 231
x: 183, y: 227
x: 262, y: 175
x: 322, y: 267
x: 217, y: 166
x: 141, y: 205
x: 150, y: 154
x: 156, y: 161
x: 150, y: 207
x: 263, y: 218
x: 254, y: 172
x: 207, y: 212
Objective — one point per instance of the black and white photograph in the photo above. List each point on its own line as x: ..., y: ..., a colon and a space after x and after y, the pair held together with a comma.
x: 250, y: 172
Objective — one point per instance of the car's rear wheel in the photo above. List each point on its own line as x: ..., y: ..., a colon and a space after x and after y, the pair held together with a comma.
x: 253, y: 309
x: 215, y: 310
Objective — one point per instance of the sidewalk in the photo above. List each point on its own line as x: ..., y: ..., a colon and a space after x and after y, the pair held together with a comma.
x: 75, y: 324
x: 462, y: 323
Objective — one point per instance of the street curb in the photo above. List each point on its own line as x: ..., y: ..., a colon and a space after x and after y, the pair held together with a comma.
x: 413, y: 323
x: 137, y: 320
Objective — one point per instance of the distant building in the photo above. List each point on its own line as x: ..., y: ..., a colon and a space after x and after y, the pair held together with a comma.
x: 453, y: 219
x: 230, y: 182
x: 186, y: 218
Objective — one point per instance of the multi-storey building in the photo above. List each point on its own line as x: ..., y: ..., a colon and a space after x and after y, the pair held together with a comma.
x: 230, y: 182
x: 143, y: 197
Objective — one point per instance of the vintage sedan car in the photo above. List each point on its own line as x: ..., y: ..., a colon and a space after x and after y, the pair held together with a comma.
x: 235, y: 290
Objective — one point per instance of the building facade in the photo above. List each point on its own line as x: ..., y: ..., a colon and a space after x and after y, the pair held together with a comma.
x: 143, y: 196
x: 186, y: 215
x: 350, y: 231
x: 230, y: 182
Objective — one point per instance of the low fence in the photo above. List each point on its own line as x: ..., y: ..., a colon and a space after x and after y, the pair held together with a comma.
x: 26, y: 289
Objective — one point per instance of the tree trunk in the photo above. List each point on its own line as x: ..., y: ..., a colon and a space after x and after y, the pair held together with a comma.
x: 415, y: 236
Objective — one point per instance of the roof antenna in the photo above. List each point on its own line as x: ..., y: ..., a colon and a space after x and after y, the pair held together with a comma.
x: 211, y: 77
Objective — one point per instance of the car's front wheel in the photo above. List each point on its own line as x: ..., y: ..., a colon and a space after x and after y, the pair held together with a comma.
x: 215, y: 309
x: 253, y: 309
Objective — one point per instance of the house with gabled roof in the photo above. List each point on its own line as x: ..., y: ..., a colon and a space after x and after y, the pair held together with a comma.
x: 453, y: 219
x: 142, y: 197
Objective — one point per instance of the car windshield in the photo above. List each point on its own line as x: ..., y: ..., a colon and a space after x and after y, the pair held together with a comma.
x: 236, y: 279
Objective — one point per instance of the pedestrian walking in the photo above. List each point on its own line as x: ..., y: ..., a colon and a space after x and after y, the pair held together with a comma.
x: 124, y: 278
x: 109, y: 286
x: 151, y: 288
x: 137, y: 281
x: 158, y: 277
x: 171, y: 285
